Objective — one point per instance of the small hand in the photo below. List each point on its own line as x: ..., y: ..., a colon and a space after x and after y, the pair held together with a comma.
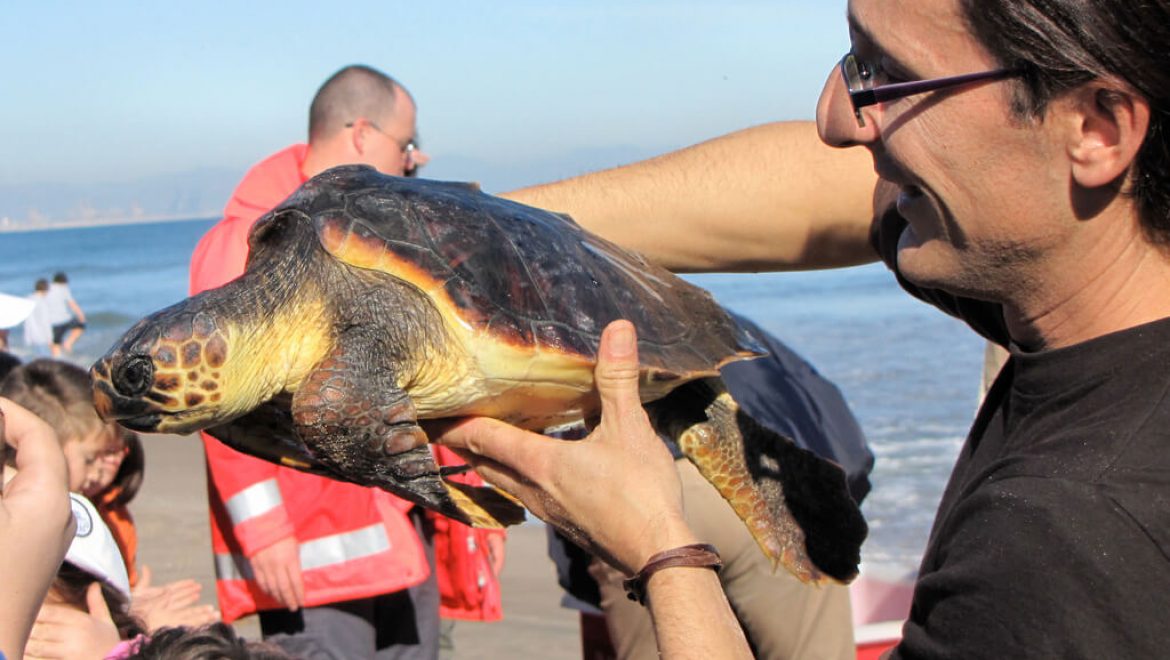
x: 616, y: 492
x: 172, y: 604
x: 65, y: 633
x: 278, y: 570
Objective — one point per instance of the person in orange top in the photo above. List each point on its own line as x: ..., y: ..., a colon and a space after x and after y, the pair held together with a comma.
x: 329, y: 566
x: 118, y: 477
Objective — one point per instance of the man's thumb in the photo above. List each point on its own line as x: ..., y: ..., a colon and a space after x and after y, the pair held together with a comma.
x: 96, y: 602
x: 616, y: 374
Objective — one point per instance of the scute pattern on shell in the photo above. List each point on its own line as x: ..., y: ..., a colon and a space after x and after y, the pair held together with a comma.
x: 529, y: 277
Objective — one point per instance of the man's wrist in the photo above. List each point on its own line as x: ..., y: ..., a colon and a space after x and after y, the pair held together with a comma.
x: 672, y: 532
x: 694, y: 555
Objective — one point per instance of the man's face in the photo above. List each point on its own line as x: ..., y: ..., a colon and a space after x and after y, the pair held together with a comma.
x: 980, y: 188
x: 387, y: 148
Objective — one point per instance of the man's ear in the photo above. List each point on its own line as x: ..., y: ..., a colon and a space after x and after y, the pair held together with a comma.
x: 1110, y: 124
x: 359, y: 134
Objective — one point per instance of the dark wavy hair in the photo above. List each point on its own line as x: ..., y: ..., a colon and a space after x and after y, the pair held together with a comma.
x: 70, y: 587
x: 1060, y: 44
x: 217, y: 641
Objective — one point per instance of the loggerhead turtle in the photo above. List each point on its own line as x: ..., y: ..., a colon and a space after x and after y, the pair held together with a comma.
x: 370, y: 302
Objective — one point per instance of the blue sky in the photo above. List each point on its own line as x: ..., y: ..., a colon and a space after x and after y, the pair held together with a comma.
x: 99, y: 91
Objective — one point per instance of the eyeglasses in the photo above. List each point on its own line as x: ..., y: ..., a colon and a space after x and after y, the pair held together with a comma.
x: 862, y: 93
x: 408, y: 148
x: 411, y: 168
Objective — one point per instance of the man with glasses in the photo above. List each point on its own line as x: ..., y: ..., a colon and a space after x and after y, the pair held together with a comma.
x: 332, y: 568
x: 1024, y: 170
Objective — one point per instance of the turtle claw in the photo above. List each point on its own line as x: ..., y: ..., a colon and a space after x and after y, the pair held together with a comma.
x: 400, y: 439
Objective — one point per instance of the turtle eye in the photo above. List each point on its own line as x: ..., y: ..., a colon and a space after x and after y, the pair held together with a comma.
x: 133, y: 378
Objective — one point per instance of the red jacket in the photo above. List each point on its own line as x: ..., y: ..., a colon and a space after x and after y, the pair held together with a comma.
x: 355, y: 542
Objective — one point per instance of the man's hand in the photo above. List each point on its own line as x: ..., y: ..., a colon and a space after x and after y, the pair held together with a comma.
x: 36, y: 521
x: 278, y: 570
x: 64, y: 633
x: 171, y: 604
x: 616, y: 492
x: 495, y: 546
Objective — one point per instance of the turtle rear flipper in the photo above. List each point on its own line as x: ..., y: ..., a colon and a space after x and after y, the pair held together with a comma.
x: 483, y: 506
x: 795, y: 504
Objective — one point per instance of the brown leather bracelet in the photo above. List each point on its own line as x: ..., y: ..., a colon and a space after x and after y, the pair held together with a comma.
x: 696, y: 555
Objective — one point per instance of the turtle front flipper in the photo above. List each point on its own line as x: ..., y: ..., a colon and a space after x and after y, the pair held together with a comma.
x: 795, y: 504
x: 267, y: 433
x: 360, y: 424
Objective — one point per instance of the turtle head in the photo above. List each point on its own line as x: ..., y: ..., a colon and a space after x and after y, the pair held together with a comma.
x: 166, y: 373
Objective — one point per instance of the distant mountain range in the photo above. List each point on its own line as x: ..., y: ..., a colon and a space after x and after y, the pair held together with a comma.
x: 203, y: 192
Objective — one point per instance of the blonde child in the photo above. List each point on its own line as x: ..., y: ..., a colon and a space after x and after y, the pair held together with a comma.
x: 59, y: 393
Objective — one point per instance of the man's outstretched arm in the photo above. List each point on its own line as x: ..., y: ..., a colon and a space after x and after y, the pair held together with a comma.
x: 771, y: 197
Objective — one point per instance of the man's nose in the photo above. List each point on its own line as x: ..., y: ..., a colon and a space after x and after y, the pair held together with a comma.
x: 836, y: 121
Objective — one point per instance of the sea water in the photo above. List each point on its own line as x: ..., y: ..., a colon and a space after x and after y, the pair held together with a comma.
x: 910, y: 373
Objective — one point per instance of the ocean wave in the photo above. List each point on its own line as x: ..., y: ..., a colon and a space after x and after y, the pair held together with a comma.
x: 107, y: 319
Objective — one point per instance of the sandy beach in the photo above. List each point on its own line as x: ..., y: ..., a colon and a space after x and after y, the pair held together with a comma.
x: 174, y: 540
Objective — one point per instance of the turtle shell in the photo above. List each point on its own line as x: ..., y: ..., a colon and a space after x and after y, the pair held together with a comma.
x: 517, y: 274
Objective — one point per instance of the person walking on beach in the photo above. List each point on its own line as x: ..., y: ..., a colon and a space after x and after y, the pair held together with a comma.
x: 65, y: 315
x: 1022, y: 149
x: 333, y: 568
x: 38, y: 329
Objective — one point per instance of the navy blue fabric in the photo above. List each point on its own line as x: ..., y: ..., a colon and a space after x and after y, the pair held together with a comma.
x: 785, y: 393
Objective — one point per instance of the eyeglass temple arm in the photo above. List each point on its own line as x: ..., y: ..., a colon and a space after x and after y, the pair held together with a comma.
x: 899, y: 90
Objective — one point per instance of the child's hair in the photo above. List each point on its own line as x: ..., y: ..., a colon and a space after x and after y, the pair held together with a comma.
x: 70, y: 586
x: 130, y: 473
x: 57, y: 392
x: 59, y: 278
x: 217, y: 641
x: 8, y: 362
x: 41, y: 285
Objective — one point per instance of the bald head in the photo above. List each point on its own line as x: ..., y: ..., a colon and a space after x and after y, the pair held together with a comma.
x: 353, y: 92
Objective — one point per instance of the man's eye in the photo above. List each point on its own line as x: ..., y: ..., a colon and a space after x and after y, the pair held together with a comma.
x: 864, y: 71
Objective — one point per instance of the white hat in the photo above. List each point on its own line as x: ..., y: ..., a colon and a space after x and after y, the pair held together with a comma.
x: 94, y: 549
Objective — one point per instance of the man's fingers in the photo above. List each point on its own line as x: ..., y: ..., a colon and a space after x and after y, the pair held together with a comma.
x: 284, y: 592
x: 298, y: 589
x: 617, y: 369
x: 38, y: 453
x: 490, y: 438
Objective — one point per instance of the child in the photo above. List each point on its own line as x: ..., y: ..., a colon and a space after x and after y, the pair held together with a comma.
x: 60, y: 393
x: 38, y: 330
x: 117, y: 480
x: 86, y: 609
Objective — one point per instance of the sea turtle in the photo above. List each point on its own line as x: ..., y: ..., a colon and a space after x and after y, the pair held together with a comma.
x: 370, y: 302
